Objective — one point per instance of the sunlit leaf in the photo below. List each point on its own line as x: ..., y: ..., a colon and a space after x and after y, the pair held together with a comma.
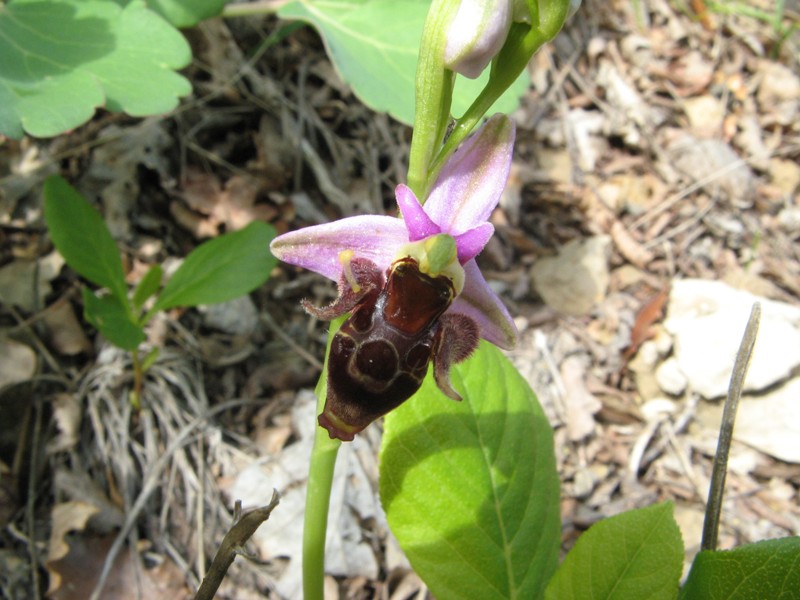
x: 374, y: 45
x: 81, y: 236
x: 62, y: 59
x: 768, y: 569
x: 636, y: 554
x: 222, y: 269
x: 470, y: 488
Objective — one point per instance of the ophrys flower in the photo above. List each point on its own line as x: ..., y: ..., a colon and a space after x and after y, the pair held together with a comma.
x: 412, y: 285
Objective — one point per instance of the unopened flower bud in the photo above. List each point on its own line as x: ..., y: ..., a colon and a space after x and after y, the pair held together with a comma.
x: 476, y: 34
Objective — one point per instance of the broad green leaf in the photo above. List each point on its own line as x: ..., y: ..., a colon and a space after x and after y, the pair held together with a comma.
x: 81, y: 236
x: 636, y: 554
x: 61, y: 59
x: 222, y: 269
x: 768, y: 569
x: 112, y: 319
x: 186, y: 14
x: 374, y: 45
x: 470, y: 488
x: 148, y: 286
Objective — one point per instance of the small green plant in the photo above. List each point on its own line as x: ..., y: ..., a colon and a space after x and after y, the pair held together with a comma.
x: 221, y: 269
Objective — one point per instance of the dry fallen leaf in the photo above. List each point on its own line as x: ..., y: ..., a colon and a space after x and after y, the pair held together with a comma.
x: 77, y: 573
x: 26, y: 283
x: 65, y: 517
x: 581, y: 404
x: 67, y: 413
x: 210, y: 205
x: 18, y: 363
x: 651, y: 312
x: 66, y: 333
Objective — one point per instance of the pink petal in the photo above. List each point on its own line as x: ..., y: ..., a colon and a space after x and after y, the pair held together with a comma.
x: 471, y: 243
x: 472, y: 180
x: 317, y: 248
x: 479, y: 302
x: 418, y: 223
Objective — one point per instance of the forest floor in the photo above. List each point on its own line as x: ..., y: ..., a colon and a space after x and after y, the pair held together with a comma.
x: 654, y: 196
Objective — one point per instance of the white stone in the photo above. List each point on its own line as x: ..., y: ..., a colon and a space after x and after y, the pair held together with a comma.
x: 575, y: 280
x: 771, y: 423
x: 670, y: 378
x: 237, y: 317
x: 707, y: 320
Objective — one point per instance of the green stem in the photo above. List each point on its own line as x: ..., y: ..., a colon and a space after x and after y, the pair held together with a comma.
x: 315, y: 524
x: 434, y: 93
x: 320, y: 480
x: 522, y: 43
x: 135, y: 395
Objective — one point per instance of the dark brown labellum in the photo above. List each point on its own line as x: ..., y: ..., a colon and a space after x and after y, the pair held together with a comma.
x: 380, y: 356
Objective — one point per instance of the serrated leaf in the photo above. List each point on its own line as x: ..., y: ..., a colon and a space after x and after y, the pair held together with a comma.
x: 186, y: 14
x: 768, y: 569
x: 61, y: 59
x: 636, y: 554
x: 222, y: 269
x: 374, y: 46
x: 81, y: 236
x: 112, y: 319
x: 148, y: 286
x: 470, y: 488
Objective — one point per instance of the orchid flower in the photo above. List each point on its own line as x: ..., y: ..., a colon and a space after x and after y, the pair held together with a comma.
x: 412, y: 284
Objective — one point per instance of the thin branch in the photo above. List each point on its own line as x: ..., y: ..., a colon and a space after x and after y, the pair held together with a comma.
x: 720, y: 469
x: 232, y: 544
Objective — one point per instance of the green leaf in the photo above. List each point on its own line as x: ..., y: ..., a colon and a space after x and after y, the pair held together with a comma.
x: 768, y: 569
x: 148, y: 286
x: 186, y: 14
x: 636, y: 554
x: 61, y: 59
x: 81, y: 236
x: 222, y: 269
x: 374, y: 45
x: 470, y: 488
x: 112, y: 319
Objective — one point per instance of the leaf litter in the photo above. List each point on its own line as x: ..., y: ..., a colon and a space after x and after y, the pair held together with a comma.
x: 675, y: 141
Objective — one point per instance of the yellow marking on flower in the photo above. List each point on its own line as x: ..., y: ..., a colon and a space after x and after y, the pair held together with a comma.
x: 436, y: 255
x: 345, y: 258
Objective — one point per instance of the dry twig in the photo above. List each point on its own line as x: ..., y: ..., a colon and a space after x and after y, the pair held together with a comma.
x: 232, y: 544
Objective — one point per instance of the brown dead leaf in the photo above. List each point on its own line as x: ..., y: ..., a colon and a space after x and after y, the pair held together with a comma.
x: 66, y: 333
x: 651, y: 312
x: 65, y: 517
x: 67, y: 413
x: 77, y: 573
x: 209, y: 205
x: 18, y: 363
x: 26, y: 283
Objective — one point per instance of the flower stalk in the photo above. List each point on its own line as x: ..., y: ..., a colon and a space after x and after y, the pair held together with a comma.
x: 318, y: 493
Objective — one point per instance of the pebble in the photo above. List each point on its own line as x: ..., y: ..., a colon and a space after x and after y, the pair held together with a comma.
x: 670, y: 378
